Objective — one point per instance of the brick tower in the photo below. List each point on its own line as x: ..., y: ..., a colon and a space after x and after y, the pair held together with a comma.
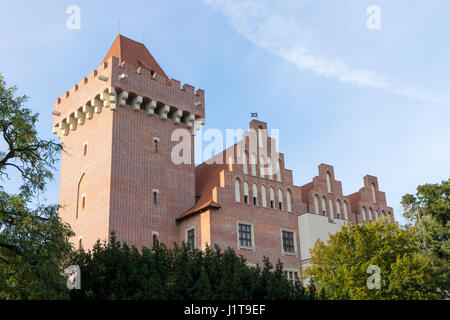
x: 116, y: 127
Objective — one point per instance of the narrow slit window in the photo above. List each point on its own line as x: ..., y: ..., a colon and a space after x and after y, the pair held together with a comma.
x: 155, y: 144
x: 155, y: 238
x: 155, y: 196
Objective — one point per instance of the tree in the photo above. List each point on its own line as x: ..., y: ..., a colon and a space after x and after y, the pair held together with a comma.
x: 33, y: 241
x: 429, y: 212
x: 348, y: 265
x: 114, y: 271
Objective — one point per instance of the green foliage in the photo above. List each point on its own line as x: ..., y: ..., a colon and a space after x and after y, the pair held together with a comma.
x: 113, y: 271
x: 339, y: 268
x: 32, y: 157
x: 429, y: 212
x: 33, y: 241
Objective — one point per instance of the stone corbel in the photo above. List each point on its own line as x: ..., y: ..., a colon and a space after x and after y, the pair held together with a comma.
x: 197, y: 124
x: 80, y: 116
x: 112, y: 98
x: 88, y: 110
x: 176, y: 116
x: 123, y: 96
x: 164, y: 111
x: 136, y: 103
x: 58, y: 132
x: 97, y: 104
x: 189, y: 120
x: 150, y: 107
x: 72, y: 122
x: 64, y: 128
x: 104, y: 96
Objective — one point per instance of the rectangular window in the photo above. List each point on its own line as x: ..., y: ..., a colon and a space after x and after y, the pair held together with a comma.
x: 255, y: 201
x: 155, y: 144
x: 280, y: 205
x: 155, y: 238
x: 155, y: 197
x: 272, y: 204
x: 190, y: 235
x: 246, y: 199
x: 292, y: 275
x: 288, y: 241
x: 245, y: 235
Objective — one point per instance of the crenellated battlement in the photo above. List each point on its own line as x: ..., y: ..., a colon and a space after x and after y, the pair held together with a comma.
x: 115, y: 84
x: 144, y: 82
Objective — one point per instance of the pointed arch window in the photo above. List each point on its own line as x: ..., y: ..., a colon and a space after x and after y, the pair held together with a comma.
x: 245, y: 192
x: 316, y: 204
x: 330, y: 203
x: 255, y: 195
x: 280, y: 199
x: 260, y: 137
x: 345, y: 211
x: 363, y: 212
x: 374, y: 198
x: 328, y: 182
x: 253, y: 164
x: 244, y: 162
x: 261, y: 167
x: 288, y: 201
x: 338, y: 209
x: 237, y: 191
x: 324, y: 206
x: 263, y: 196
x: 272, y: 198
x: 270, y: 168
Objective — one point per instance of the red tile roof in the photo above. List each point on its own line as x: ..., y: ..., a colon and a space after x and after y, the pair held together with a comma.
x: 133, y: 52
x: 199, y: 206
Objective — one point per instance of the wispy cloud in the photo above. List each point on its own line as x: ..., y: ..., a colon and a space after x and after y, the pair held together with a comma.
x: 268, y: 28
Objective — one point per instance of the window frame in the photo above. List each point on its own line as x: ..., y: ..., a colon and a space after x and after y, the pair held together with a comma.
x: 155, y: 193
x: 155, y: 233
x: 187, y: 231
x: 252, y: 236
x: 294, y: 234
x: 237, y: 190
x: 156, y: 141
x: 293, y: 271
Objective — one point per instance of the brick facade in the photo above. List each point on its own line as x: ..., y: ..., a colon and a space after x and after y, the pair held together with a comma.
x: 117, y: 172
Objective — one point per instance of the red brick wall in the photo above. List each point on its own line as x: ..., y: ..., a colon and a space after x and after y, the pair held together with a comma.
x: 137, y: 169
x: 92, y: 222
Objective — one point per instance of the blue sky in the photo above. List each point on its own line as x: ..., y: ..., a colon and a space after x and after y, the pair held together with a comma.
x: 366, y: 101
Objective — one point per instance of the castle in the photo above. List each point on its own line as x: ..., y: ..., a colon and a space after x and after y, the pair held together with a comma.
x: 118, y: 173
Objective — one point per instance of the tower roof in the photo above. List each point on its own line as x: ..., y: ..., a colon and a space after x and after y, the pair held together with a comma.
x: 133, y: 52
